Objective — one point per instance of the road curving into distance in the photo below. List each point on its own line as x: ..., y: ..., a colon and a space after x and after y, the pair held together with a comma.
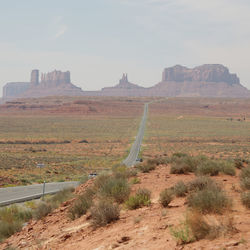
x: 135, y: 149
x: 12, y: 195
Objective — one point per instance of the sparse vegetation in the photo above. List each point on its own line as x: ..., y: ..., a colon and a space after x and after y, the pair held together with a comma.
x: 200, y: 183
x: 140, y: 199
x: 116, y: 188
x: 245, y: 178
x: 42, y: 210
x: 182, y: 233
x: 245, y: 199
x: 209, y: 200
x: 135, y: 181
x: 146, y: 167
x: 166, y: 196
x: 12, y: 219
x: 180, y: 189
x: 81, y: 204
x: 104, y: 212
x: 208, y: 167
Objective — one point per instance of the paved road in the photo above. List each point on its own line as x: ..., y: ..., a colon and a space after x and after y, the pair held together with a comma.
x: 135, y: 149
x: 12, y: 195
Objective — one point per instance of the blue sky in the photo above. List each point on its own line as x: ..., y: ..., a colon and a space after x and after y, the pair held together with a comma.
x: 98, y: 40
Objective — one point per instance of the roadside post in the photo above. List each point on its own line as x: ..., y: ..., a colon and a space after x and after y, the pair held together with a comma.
x: 41, y: 165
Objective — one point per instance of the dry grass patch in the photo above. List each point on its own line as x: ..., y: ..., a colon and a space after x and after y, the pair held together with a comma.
x: 104, y: 212
x: 140, y: 199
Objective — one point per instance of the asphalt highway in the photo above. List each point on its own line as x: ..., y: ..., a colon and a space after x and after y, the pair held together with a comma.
x: 12, y: 195
x: 135, y: 149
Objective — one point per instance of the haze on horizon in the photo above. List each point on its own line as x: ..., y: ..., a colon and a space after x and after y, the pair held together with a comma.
x: 98, y: 40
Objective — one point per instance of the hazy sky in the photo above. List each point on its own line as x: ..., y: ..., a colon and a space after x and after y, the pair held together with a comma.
x: 98, y: 40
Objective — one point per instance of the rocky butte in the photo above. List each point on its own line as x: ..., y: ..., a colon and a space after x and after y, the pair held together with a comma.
x: 208, y: 80
x: 56, y: 83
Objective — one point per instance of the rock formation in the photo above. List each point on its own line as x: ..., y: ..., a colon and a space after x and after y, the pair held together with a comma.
x: 34, y: 79
x: 55, y: 78
x: 52, y: 83
x: 204, y: 73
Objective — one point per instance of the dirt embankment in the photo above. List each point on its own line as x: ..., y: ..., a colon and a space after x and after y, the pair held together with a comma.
x: 143, y: 228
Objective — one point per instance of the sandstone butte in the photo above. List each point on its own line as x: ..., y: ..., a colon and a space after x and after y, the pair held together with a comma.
x: 208, y: 80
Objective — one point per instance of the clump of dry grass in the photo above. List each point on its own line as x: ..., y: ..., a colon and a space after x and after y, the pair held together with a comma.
x: 209, y: 200
x: 245, y: 178
x: 104, y: 212
x: 140, y: 199
x: 166, y: 196
x: 245, y: 199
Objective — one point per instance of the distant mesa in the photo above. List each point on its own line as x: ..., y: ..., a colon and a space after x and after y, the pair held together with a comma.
x: 53, y: 83
x: 208, y: 80
x: 204, y: 73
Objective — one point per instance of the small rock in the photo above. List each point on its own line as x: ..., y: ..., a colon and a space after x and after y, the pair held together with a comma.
x: 115, y: 245
x: 124, y: 239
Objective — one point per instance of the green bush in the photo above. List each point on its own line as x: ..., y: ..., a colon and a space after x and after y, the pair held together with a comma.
x: 60, y: 197
x: 245, y: 199
x: 182, y: 233
x: 245, y: 178
x: 104, y: 212
x: 42, y: 210
x: 208, y: 167
x: 81, y: 204
x: 140, y: 199
x: 166, y: 196
x: 116, y: 188
x: 12, y: 219
x: 180, y: 168
x: 200, y: 183
x: 179, y: 155
x: 238, y: 163
x: 209, y: 200
x: 180, y: 189
x: 101, y: 180
x: 226, y: 167
x: 135, y: 181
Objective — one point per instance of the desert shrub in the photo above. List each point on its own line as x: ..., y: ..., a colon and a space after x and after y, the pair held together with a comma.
x: 60, y: 197
x: 166, y: 196
x: 157, y: 161
x: 245, y: 178
x: 245, y: 199
x: 180, y: 168
x: 116, y: 188
x: 9, y: 228
x: 200, y: 183
x: 199, y: 227
x: 42, y: 210
x: 146, y: 168
x: 135, y: 181
x: 104, y: 212
x: 180, y: 189
x: 226, y: 167
x: 179, y: 155
x: 101, y: 180
x: 121, y: 172
x: 182, y: 233
x: 132, y: 172
x: 208, y: 167
x: 209, y: 200
x: 140, y: 199
x: 238, y: 163
x: 12, y: 219
x: 81, y: 204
